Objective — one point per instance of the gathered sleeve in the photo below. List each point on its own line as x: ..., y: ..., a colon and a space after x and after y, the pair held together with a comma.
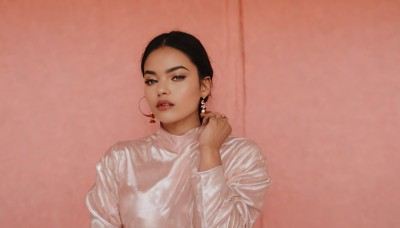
x: 103, y: 200
x: 232, y: 194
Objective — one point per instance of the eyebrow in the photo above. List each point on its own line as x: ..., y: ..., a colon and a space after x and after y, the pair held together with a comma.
x: 168, y: 70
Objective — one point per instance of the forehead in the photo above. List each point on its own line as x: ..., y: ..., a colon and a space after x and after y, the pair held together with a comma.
x: 167, y: 57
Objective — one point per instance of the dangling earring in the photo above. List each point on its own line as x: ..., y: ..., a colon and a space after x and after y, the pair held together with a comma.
x: 151, y: 115
x: 203, y: 107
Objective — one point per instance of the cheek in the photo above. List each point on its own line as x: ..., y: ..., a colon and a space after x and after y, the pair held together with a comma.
x: 149, y: 95
x: 192, y: 95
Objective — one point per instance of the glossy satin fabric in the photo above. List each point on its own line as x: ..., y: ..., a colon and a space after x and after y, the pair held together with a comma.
x: 154, y: 182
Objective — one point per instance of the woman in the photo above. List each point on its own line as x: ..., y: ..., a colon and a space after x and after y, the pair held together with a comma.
x: 191, y: 172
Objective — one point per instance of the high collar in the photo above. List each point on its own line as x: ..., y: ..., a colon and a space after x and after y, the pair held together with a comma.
x: 178, y: 143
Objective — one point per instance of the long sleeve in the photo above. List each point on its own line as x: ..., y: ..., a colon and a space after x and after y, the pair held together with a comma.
x: 102, y: 200
x: 232, y: 195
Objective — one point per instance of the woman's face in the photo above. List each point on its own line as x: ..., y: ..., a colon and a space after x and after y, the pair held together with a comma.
x: 172, y: 87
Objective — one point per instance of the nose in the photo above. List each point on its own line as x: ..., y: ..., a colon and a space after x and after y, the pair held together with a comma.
x: 163, y: 88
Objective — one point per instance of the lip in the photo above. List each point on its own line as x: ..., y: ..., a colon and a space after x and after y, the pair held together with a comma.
x: 163, y: 105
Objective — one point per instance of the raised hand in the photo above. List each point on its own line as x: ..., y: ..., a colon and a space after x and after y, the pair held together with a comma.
x: 216, y: 130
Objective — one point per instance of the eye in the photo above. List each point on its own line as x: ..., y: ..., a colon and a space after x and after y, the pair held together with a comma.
x: 178, y: 77
x: 150, y: 82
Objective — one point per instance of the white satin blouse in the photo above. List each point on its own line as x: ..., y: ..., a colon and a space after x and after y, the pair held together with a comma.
x: 154, y: 182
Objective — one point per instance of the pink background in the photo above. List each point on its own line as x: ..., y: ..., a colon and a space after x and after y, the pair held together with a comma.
x: 315, y: 83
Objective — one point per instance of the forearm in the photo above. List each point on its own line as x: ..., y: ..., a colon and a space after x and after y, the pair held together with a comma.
x: 221, y: 205
x: 209, y: 158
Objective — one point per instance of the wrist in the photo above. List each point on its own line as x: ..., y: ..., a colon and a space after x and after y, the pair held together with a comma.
x: 208, y: 148
x: 209, y: 158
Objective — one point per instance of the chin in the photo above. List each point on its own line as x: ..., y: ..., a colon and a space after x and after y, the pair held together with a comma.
x: 167, y: 119
x: 171, y: 118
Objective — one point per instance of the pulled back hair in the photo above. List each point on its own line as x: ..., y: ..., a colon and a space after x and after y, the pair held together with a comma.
x: 186, y: 43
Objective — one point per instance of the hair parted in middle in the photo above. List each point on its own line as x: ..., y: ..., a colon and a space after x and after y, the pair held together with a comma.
x: 189, y: 45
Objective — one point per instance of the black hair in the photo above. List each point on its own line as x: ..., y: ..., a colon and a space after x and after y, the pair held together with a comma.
x: 186, y: 43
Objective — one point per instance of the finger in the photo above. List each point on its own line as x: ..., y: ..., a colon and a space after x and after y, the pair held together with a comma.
x: 204, y: 121
x: 206, y: 118
x: 221, y: 117
x: 214, y: 116
x: 203, y: 114
x: 207, y: 115
x: 216, y: 119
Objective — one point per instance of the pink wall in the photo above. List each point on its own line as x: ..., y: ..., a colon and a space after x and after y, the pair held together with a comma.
x: 323, y: 97
x: 315, y: 84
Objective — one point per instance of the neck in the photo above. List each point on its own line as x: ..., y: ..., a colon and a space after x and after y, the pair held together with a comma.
x: 181, y: 127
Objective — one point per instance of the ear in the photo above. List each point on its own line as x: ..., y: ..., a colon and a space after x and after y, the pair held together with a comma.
x: 205, y: 86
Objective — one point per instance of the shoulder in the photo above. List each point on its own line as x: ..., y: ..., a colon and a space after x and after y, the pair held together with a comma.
x: 238, y: 150
x: 240, y: 141
x: 242, y: 158
x: 132, y: 145
x: 242, y: 146
x: 120, y: 150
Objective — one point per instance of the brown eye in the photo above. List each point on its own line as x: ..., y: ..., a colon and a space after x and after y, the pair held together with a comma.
x: 150, y: 82
x: 178, y: 78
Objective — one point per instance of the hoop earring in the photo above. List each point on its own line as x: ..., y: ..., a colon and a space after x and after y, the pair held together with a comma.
x: 203, y: 107
x: 151, y: 115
